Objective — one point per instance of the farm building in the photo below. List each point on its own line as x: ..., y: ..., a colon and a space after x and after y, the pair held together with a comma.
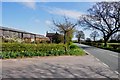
x: 10, y: 33
x: 54, y: 37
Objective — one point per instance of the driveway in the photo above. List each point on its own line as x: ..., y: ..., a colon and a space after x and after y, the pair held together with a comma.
x: 56, y: 67
x: 110, y: 58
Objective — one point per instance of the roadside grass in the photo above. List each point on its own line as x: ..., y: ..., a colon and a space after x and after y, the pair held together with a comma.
x: 113, y: 43
x: 110, y: 46
x: 17, y: 50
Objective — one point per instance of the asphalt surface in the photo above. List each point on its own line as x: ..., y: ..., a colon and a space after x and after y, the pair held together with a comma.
x: 110, y: 58
x: 56, y: 67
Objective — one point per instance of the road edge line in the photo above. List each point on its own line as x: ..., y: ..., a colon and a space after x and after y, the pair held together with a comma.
x: 102, y: 62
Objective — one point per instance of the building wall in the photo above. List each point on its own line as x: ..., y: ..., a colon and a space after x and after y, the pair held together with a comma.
x: 13, y: 34
x: 6, y: 34
x: 27, y: 40
x: 27, y: 37
x: 32, y: 38
x: 1, y: 33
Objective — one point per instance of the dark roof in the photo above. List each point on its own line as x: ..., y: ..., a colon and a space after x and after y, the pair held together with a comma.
x: 21, y: 31
x: 41, y: 36
x: 15, y: 30
x: 50, y: 34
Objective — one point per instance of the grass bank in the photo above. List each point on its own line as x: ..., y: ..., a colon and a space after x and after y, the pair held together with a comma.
x: 15, y: 50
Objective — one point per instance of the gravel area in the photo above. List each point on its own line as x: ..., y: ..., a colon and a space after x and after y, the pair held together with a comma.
x: 56, y: 67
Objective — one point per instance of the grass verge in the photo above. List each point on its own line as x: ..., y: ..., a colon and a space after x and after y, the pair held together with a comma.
x: 16, y: 50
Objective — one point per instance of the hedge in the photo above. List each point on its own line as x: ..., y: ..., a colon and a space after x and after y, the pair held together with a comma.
x: 110, y: 46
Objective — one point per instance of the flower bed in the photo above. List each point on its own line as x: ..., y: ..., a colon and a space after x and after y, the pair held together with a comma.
x: 14, y: 50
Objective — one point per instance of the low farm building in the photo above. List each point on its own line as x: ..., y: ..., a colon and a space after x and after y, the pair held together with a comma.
x: 9, y: 33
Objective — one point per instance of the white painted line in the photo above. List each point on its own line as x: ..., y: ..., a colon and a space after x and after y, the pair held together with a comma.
x: 102, y: 62
x: 97, y: 59
x: 86, y: 52
x: 117, y: 72
x: 106, y: 65
x: 114, y: 55
x: 108, y: 53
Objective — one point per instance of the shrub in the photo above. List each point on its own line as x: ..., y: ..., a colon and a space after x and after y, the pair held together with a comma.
x: 76, y: 52
x: 110, y: 46
x: 114, y: 46
x: 73, y: 46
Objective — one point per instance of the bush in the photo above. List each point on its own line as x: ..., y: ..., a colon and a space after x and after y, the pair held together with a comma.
x: 114, y: 46
x: 110, y: 46
x: 76, y: 52
x: 73, y: 46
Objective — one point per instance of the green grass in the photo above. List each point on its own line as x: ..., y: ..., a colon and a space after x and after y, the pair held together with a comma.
x: 76, y: 52
x: 110, y: 46
x: 15, y: 50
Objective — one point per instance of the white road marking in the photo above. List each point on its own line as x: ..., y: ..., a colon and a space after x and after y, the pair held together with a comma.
x: 97, y: 59
x: 103, y: 62
x: 114, y: 55
x: 106, y: 65
x: 117, y: 72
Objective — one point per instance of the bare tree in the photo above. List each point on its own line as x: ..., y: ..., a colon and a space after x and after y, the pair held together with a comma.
x: 115, y: 37
x: 105, y: 17
x: 80, y: 35
x: 64, y: 27
x: 94, y: 35
x: 118, y: 37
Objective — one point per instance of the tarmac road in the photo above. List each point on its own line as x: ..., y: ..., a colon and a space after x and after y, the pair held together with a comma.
x: 57, y: 67
x: 110, y: 58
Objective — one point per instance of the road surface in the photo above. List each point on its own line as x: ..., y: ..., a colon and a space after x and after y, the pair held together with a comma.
x: 108, y: 57
x: 57, y: 67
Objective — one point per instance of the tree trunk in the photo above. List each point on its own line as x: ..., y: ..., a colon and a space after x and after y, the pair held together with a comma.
x: 64, y: 37
x: 106, y: 38
x: 65, y: 48
x: 79, y: 40
x: 105, y: 42
x: 94, y: 39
